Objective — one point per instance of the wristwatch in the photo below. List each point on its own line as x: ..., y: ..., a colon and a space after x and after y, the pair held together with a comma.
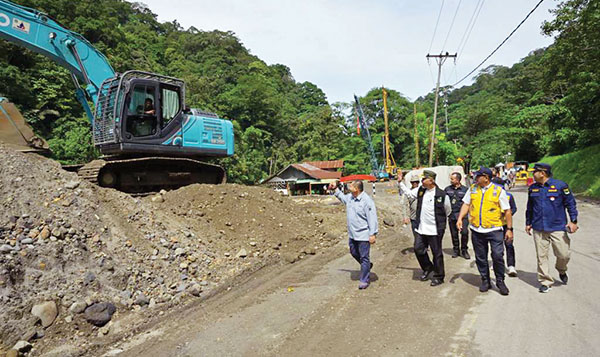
x: 510, y: 228
x: 575, y: 221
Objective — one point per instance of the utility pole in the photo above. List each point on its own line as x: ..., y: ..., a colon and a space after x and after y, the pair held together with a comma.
x: 440, y: 59
x: 390, y: 163
x: 416, y: 136
x: 446, y: 110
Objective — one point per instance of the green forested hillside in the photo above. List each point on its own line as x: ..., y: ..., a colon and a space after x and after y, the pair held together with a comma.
x: 546, y: 104
x: 580, y: 169
x: 275, y: 117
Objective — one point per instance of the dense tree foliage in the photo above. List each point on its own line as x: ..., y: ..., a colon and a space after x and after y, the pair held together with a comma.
x: 545, y: 104
x: 276, y: 119
x: 548, y: 103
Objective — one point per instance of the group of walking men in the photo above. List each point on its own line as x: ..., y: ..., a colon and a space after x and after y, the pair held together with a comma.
x: 486, y: 208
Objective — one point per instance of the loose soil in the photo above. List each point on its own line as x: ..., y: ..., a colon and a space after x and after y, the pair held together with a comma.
x: 67, y: 241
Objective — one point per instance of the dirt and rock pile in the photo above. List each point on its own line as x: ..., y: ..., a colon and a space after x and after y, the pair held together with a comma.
x: 82, y: 265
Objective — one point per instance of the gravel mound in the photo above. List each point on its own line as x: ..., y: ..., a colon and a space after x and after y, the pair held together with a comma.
x: 79, y: 246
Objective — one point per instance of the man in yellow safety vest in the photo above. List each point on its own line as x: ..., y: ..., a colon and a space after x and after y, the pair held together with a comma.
x: 489, y: 210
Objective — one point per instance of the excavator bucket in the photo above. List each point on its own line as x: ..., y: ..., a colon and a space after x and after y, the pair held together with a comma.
x: 16, y: 133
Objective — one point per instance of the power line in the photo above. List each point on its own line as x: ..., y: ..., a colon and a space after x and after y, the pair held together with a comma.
x: 431, y: 73
x: 468, y: 25
x: 455, y: 72
x: 436, y: 26
x: 501, y: 43
x: 451, y: 25
x: 464, y: 44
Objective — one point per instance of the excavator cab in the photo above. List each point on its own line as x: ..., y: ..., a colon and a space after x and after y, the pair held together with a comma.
x: 140, y: 123
x: 150, y: 139
x: 151, y: 109
x: 141, y: 119
x: 145, y: 113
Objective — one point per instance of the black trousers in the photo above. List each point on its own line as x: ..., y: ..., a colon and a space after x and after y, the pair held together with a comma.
x: 463, y: 245
x: 510, y: 252
x: 413, y: 226
x: 481, y: 244
x: 435, y: 242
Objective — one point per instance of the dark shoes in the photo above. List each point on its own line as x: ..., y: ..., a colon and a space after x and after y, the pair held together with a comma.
x: 564, y: 277
x: 502, y: 287
x: 436, y: 282
x: 544, y: 289
x: 485, y: 286
x: 425, y: 275
x: 463, y: 253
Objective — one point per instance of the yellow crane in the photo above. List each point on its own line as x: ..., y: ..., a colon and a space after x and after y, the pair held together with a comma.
x: 390, y: 163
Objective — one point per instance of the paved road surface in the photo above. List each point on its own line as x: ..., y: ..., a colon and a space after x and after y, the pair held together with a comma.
x: 563, y: 322
x: 323, y: 314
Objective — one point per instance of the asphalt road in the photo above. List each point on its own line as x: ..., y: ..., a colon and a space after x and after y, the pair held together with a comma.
x: 314, y: 307
x: 562, y: 322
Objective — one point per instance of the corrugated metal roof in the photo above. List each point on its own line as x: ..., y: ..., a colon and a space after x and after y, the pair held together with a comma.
x: 316, y: 172
x: 333, y: 164
x: 307, y: 181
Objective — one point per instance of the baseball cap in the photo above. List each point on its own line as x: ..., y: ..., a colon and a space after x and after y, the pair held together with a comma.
x: 540, y: 166
x: 483, y: 171
x: 429, y: 174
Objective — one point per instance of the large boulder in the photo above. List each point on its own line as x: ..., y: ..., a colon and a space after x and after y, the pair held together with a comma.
x: 46, y: 312
x: 100, y: 313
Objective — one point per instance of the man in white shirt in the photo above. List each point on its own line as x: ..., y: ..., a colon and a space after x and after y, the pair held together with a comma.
x: 488, y: 207
x: 411, y: 217
x: 433, y: 208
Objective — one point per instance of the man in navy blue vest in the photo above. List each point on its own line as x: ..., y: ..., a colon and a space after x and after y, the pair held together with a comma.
x: 547, y: 201
x: 456, y: 192
x: 433, y: 208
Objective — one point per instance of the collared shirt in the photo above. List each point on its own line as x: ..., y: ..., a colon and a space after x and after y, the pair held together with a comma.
x: 361, y: 215
x: 504, y: 205
x: 456, y: 195
x: 546, y: 206
x: 427, y: 224
x: 412, y: 200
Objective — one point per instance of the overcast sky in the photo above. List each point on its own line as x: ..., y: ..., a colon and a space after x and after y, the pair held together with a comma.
x: 351, y: 46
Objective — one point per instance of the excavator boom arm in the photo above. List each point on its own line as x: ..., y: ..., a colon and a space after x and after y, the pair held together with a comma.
x: 38, y: 32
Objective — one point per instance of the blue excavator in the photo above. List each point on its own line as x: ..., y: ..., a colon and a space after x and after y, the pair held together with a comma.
x: 148, y: 137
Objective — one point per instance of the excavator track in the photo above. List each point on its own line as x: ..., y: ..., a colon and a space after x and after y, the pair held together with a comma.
x: 89, y: 171
x: 150, y: 174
